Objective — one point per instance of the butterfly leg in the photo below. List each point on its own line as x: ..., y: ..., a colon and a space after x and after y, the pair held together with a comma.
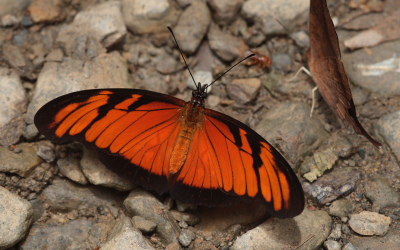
x: 313, y: 100
x: 304, y: 69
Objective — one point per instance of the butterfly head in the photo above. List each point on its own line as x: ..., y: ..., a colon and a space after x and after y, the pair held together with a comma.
x: 199, y: 94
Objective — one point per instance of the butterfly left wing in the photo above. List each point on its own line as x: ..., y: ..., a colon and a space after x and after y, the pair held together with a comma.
x: 228, y: 161
x: 133, y: 130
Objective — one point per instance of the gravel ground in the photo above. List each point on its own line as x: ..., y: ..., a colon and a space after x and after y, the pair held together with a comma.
x: 62, y: 197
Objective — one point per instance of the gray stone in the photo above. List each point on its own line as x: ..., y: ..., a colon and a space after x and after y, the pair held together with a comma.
x: 225, y: 11
x: 186, y: 237
x: 12, y: 106
x: 21, y: 161
x: 192, y: 26
x: 341, y: 181
x: 143, y: 225
x: 370, y: 223
x: 336, y: 232
x: 350, y: 246
x: 190, y: 219
x: 386, y: 127
x: 64, y: 196
x: 381, y: 194
x: 46, y: 11
x: 46, y: 151
x: 141, y: 203
x: 56, y: 79
x: 149, y: 16
x: 103, y: 22
x: 70, y: 168
x: 244, y: 90
x: 341, y: 208
x: 390, y: 241
x: 332, y: 245
x: 325, y: 157
x: 294, y: 141
x: 98, y: 174
x: 310, y: 228
x: 125, y: 237
x: 226, y: 46
x: 265, y: 13
x: 15, y: 218
x: 204, y: 77
x: 12, y: 6
x: 366, y: 69
x: 75, y: 234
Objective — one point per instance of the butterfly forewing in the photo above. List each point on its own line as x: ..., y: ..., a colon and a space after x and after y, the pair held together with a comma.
x: 135, y: 132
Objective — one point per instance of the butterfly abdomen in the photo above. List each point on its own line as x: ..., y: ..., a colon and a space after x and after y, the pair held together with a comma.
x: 191, y: 121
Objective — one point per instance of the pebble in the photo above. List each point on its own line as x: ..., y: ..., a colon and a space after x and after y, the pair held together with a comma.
x: 278, y: 233
x: 63, y: 196
x: 13, y: 7
x: 14, y: 56
x: 386, y: 127
x: 46, y: 11
x: 244, y: 90
x: 56, y: 79
x: 225, y: 11
x: 204, y: 77
x: 225, y: 46
x: 22, y: 161
x: 190, y: 219
x: 15, y: 220
x: 265, y: 12
x: 339, y: 182
x: 146, y: 226
x: 332, y: 245
x: 142, y: 203
x: 12, y: 106
x: 70, y: 168
x: 381, y: 194
x: 98, y: 174
x: 294, y: 142
x: 46, y: 151
x: 349, y: 246
x: 336, y: 232
x: 9, y: 20
x: 125, y: 237
x: 149, y: 16
x: 186, y: 237
x: 282, y: 62
x: 341, y: 208
x: 103, y: 22
x: 370, y: 223
x: 192, y: 26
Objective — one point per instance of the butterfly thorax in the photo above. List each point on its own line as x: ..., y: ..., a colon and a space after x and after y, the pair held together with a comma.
x: 191, y: 121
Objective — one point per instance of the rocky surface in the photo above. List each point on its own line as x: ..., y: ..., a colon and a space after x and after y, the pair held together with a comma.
x: 62, y: 197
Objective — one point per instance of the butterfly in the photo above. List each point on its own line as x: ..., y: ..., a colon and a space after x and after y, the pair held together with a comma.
x: 165, y: 144
x: 327, y: 69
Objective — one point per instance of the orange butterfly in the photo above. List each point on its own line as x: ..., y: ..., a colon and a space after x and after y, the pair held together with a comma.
x: 165, y: 144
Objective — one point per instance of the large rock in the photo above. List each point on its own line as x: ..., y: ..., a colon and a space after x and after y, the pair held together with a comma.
x: 12, y: 106
x: 15, y: 218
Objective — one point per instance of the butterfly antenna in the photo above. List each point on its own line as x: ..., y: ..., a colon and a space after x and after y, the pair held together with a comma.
x: 289, y: 32
x: 247, y: 57
x: 177, y: 45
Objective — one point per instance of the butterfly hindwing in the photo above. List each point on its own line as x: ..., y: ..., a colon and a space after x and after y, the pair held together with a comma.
x: 229, y: 158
